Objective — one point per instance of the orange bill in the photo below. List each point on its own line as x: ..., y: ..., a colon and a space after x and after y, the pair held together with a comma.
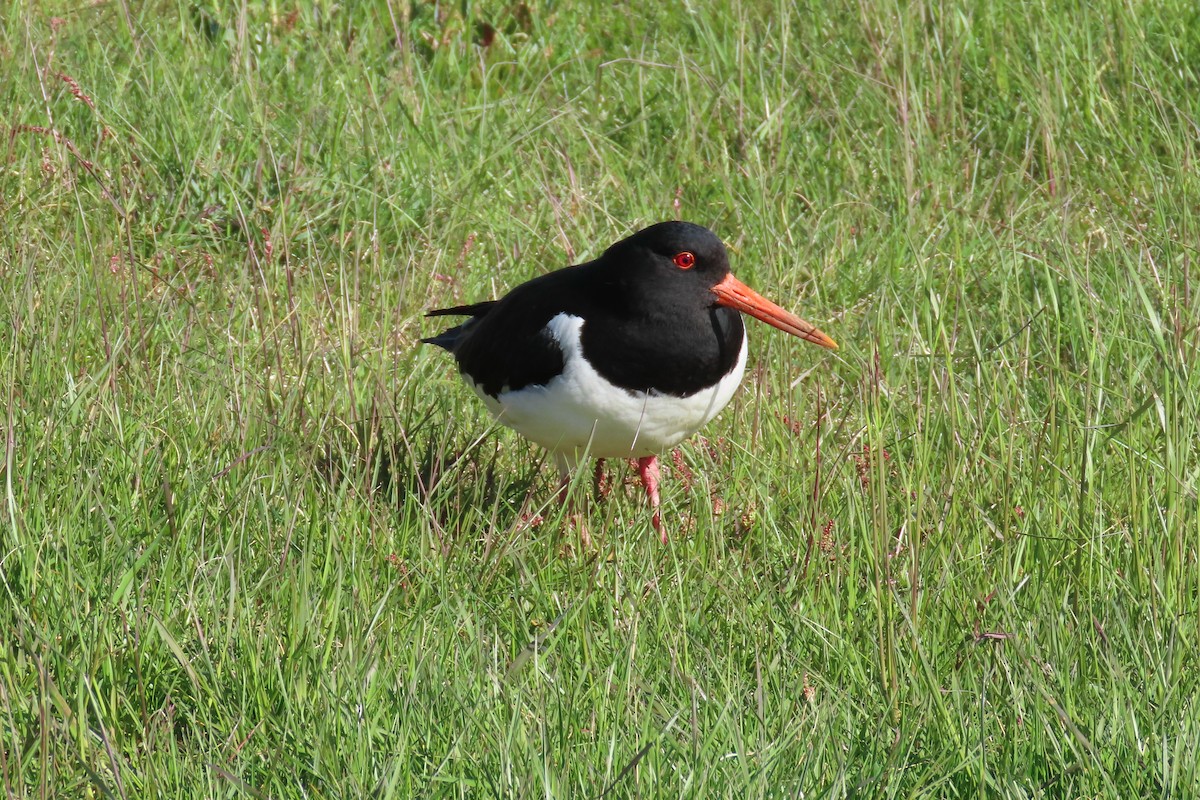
x: 733, y: 293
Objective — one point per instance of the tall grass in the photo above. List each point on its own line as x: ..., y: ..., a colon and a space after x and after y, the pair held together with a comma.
x: 258, y: 542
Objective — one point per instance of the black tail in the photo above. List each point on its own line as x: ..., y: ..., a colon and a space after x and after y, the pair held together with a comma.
x: 448, y: 339
x: 472, y: 310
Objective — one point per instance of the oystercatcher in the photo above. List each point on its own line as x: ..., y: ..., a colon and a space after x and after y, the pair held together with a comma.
x: 621, y: 357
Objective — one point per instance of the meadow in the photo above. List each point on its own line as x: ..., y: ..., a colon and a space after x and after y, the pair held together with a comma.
x: 259, y: 542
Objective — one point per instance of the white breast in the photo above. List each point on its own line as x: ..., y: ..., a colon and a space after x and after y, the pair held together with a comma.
x: 579, y: 412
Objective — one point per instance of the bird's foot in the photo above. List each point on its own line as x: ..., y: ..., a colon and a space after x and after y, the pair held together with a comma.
x: 649, y: 473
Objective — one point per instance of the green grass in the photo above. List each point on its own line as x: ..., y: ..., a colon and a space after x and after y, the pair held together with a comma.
x: 259, y: 543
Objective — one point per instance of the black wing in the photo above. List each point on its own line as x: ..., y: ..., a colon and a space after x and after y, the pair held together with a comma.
x: 505, y: 345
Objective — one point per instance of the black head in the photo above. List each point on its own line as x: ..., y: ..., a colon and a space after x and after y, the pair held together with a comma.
x: 676, y: 258
x: 680, y: 265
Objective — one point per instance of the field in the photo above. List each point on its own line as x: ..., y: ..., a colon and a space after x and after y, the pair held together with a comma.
x: 259, y: 542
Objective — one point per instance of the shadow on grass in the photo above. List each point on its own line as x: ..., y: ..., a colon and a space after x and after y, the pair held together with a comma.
x: 465, y: 489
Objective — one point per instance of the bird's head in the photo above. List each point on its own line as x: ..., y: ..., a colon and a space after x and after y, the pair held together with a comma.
x: 689, y: 264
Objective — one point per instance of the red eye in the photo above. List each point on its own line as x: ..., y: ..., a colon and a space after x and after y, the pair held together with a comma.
x: 684, y: 260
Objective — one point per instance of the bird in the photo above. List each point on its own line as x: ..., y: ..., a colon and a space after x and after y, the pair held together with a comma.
x: 623, y: 356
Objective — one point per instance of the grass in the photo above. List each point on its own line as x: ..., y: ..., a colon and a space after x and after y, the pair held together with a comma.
x: 259, y: 543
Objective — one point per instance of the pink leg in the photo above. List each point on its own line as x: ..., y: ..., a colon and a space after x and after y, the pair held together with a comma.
x: 648, y: 470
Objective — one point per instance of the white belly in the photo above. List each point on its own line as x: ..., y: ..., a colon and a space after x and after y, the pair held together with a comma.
x: 579, y: 413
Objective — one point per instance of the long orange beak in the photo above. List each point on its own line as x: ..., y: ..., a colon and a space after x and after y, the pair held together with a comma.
x: 733, y: 293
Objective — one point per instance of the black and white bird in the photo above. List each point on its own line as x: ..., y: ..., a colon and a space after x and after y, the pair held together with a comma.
x: 621, y: 357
